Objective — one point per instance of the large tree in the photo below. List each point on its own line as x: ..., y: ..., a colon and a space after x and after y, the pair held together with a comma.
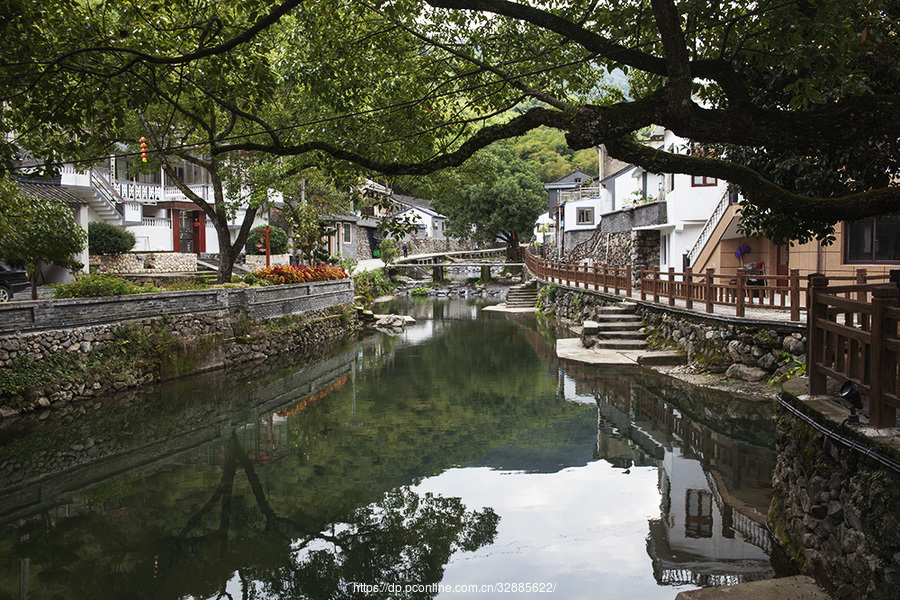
x: 498, y: 196
x: 406, y: 87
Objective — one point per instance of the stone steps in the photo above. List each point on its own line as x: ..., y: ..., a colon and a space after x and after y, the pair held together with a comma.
x: 614, y: 328
x: 521, y: 296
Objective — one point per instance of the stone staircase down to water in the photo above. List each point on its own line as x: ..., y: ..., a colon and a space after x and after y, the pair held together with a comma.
x: 614, y: 328
x: 522, y: 296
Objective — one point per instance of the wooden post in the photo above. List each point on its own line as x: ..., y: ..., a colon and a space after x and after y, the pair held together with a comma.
x: 883, y: 364
x: 794, y: 284
x: 656, y: 282
x: 815, y: 337
x: 739, y: 296
x: 710, y: 290
x: 689, y: 288
x: 628, y: 281
x: 672, y: 293
x: 643, y: 281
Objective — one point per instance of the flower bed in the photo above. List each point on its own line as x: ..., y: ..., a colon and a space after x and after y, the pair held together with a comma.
x: 281, y: 274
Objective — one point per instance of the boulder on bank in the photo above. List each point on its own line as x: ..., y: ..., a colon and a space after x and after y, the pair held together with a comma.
x: 746, y: 373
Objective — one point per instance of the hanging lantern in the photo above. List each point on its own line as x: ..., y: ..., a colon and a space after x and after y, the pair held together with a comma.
x: 143, y: 142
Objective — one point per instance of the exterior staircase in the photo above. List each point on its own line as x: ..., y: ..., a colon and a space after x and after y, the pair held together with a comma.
x: 522, y: 296
x: 615, y: 328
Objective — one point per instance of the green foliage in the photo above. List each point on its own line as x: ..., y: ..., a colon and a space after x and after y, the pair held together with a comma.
x: 98, y: 285
x: 256, y: 240
x: 109, y: 240
x: 548, y: 154
x: 419, y: 291
x: 35, y: 232
x: 500, y: 198
x: 372, y: 284
x: 389, y: 251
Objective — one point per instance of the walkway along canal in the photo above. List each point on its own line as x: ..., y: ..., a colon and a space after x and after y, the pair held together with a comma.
x: 460, y: 453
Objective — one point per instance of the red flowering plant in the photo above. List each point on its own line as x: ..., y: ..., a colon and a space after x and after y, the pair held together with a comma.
x: 281, y: 274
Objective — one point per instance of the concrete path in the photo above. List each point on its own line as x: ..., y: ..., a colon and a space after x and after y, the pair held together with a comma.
x: 571, y: 349
x: 800, y: 587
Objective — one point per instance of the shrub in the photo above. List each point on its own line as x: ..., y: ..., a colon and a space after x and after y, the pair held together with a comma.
x: 92, y: 286
x: 419, y: 291
x: 109, y: 240
x: 371, y: 284
x: 256, y: 240
x: 389, y: 251
x: 280, y: 274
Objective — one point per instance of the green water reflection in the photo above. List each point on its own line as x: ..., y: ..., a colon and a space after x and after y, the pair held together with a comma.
x: 401, y: 460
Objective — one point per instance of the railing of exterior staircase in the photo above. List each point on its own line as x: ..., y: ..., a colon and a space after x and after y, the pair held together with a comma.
x: 727, y: 200
x: 616, y: 280
x: 852, y: 335
x: 106, y: 191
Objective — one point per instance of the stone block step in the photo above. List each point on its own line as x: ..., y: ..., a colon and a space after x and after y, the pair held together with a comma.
x: 620, y: 344
x: 620, y: 334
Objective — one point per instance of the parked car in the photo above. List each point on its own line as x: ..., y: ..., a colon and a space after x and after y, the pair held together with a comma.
x: 12, y: 281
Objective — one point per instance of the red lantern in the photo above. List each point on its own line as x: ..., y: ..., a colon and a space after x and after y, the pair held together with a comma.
x: 143, y: 142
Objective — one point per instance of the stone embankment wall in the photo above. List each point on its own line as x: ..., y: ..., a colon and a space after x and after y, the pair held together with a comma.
x: 255, y: 262
x: 836, y: 510
x: 430, y: 246
x: 125, y: 342
x: 144, y: 263
x: 741, y: 349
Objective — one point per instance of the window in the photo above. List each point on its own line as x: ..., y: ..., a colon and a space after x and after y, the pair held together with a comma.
x: 702, y: 181
x: 345, y: 229
x: 873, y: 240
x: 585, y: 216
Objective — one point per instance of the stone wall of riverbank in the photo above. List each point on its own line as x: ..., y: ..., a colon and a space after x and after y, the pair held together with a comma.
x: 835, y: 510
x: 742, y: 350
x: 48, y: 364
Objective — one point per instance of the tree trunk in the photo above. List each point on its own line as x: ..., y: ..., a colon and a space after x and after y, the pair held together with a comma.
x: 33, y: 277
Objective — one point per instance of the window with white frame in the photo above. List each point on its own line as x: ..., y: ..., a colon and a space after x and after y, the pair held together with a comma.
x: 585, y: 216
x: 346, y: 233
x: 702, y: 181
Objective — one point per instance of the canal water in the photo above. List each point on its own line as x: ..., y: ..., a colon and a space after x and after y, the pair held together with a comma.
x: 460, y: 459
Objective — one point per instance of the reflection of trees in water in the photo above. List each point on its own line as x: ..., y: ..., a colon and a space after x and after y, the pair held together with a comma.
x: 405, y: 538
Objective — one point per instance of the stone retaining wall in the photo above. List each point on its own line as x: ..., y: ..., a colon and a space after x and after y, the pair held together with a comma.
x: 147, y: 262
x: 742, y: 350
x: 150, y: 337
x: 255, y: 262
x: 835, y: 510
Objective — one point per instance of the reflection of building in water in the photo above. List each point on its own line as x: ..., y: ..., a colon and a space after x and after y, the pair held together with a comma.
x: 714, y: 488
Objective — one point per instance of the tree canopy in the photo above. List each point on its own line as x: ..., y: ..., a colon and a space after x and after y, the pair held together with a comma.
x: 405, y: 87
x: 35, y: 232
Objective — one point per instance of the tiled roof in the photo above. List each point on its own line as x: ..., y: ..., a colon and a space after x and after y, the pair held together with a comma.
x: 49, y: 192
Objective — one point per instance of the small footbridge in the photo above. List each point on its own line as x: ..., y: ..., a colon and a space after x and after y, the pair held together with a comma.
x: 438, y: 261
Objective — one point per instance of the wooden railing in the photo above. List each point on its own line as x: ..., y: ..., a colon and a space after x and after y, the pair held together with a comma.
x: 852, y: 335
x: 742, y: 290
x: 616, y: 280
x: 703, y: 292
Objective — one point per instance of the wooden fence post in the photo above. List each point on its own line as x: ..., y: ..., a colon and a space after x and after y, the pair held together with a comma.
x: 642, y: 283
x: 656, y: 284
x: 883, y: 363
x: 710, y: 291
x: 671, y: 286
x: 689, y: 288
x: 628, y: 281
x: 795, y: 294
x: 815, y: 337
x: 739, y: 295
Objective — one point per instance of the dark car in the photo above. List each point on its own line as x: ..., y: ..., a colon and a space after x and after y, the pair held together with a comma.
x: 12, y: 281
